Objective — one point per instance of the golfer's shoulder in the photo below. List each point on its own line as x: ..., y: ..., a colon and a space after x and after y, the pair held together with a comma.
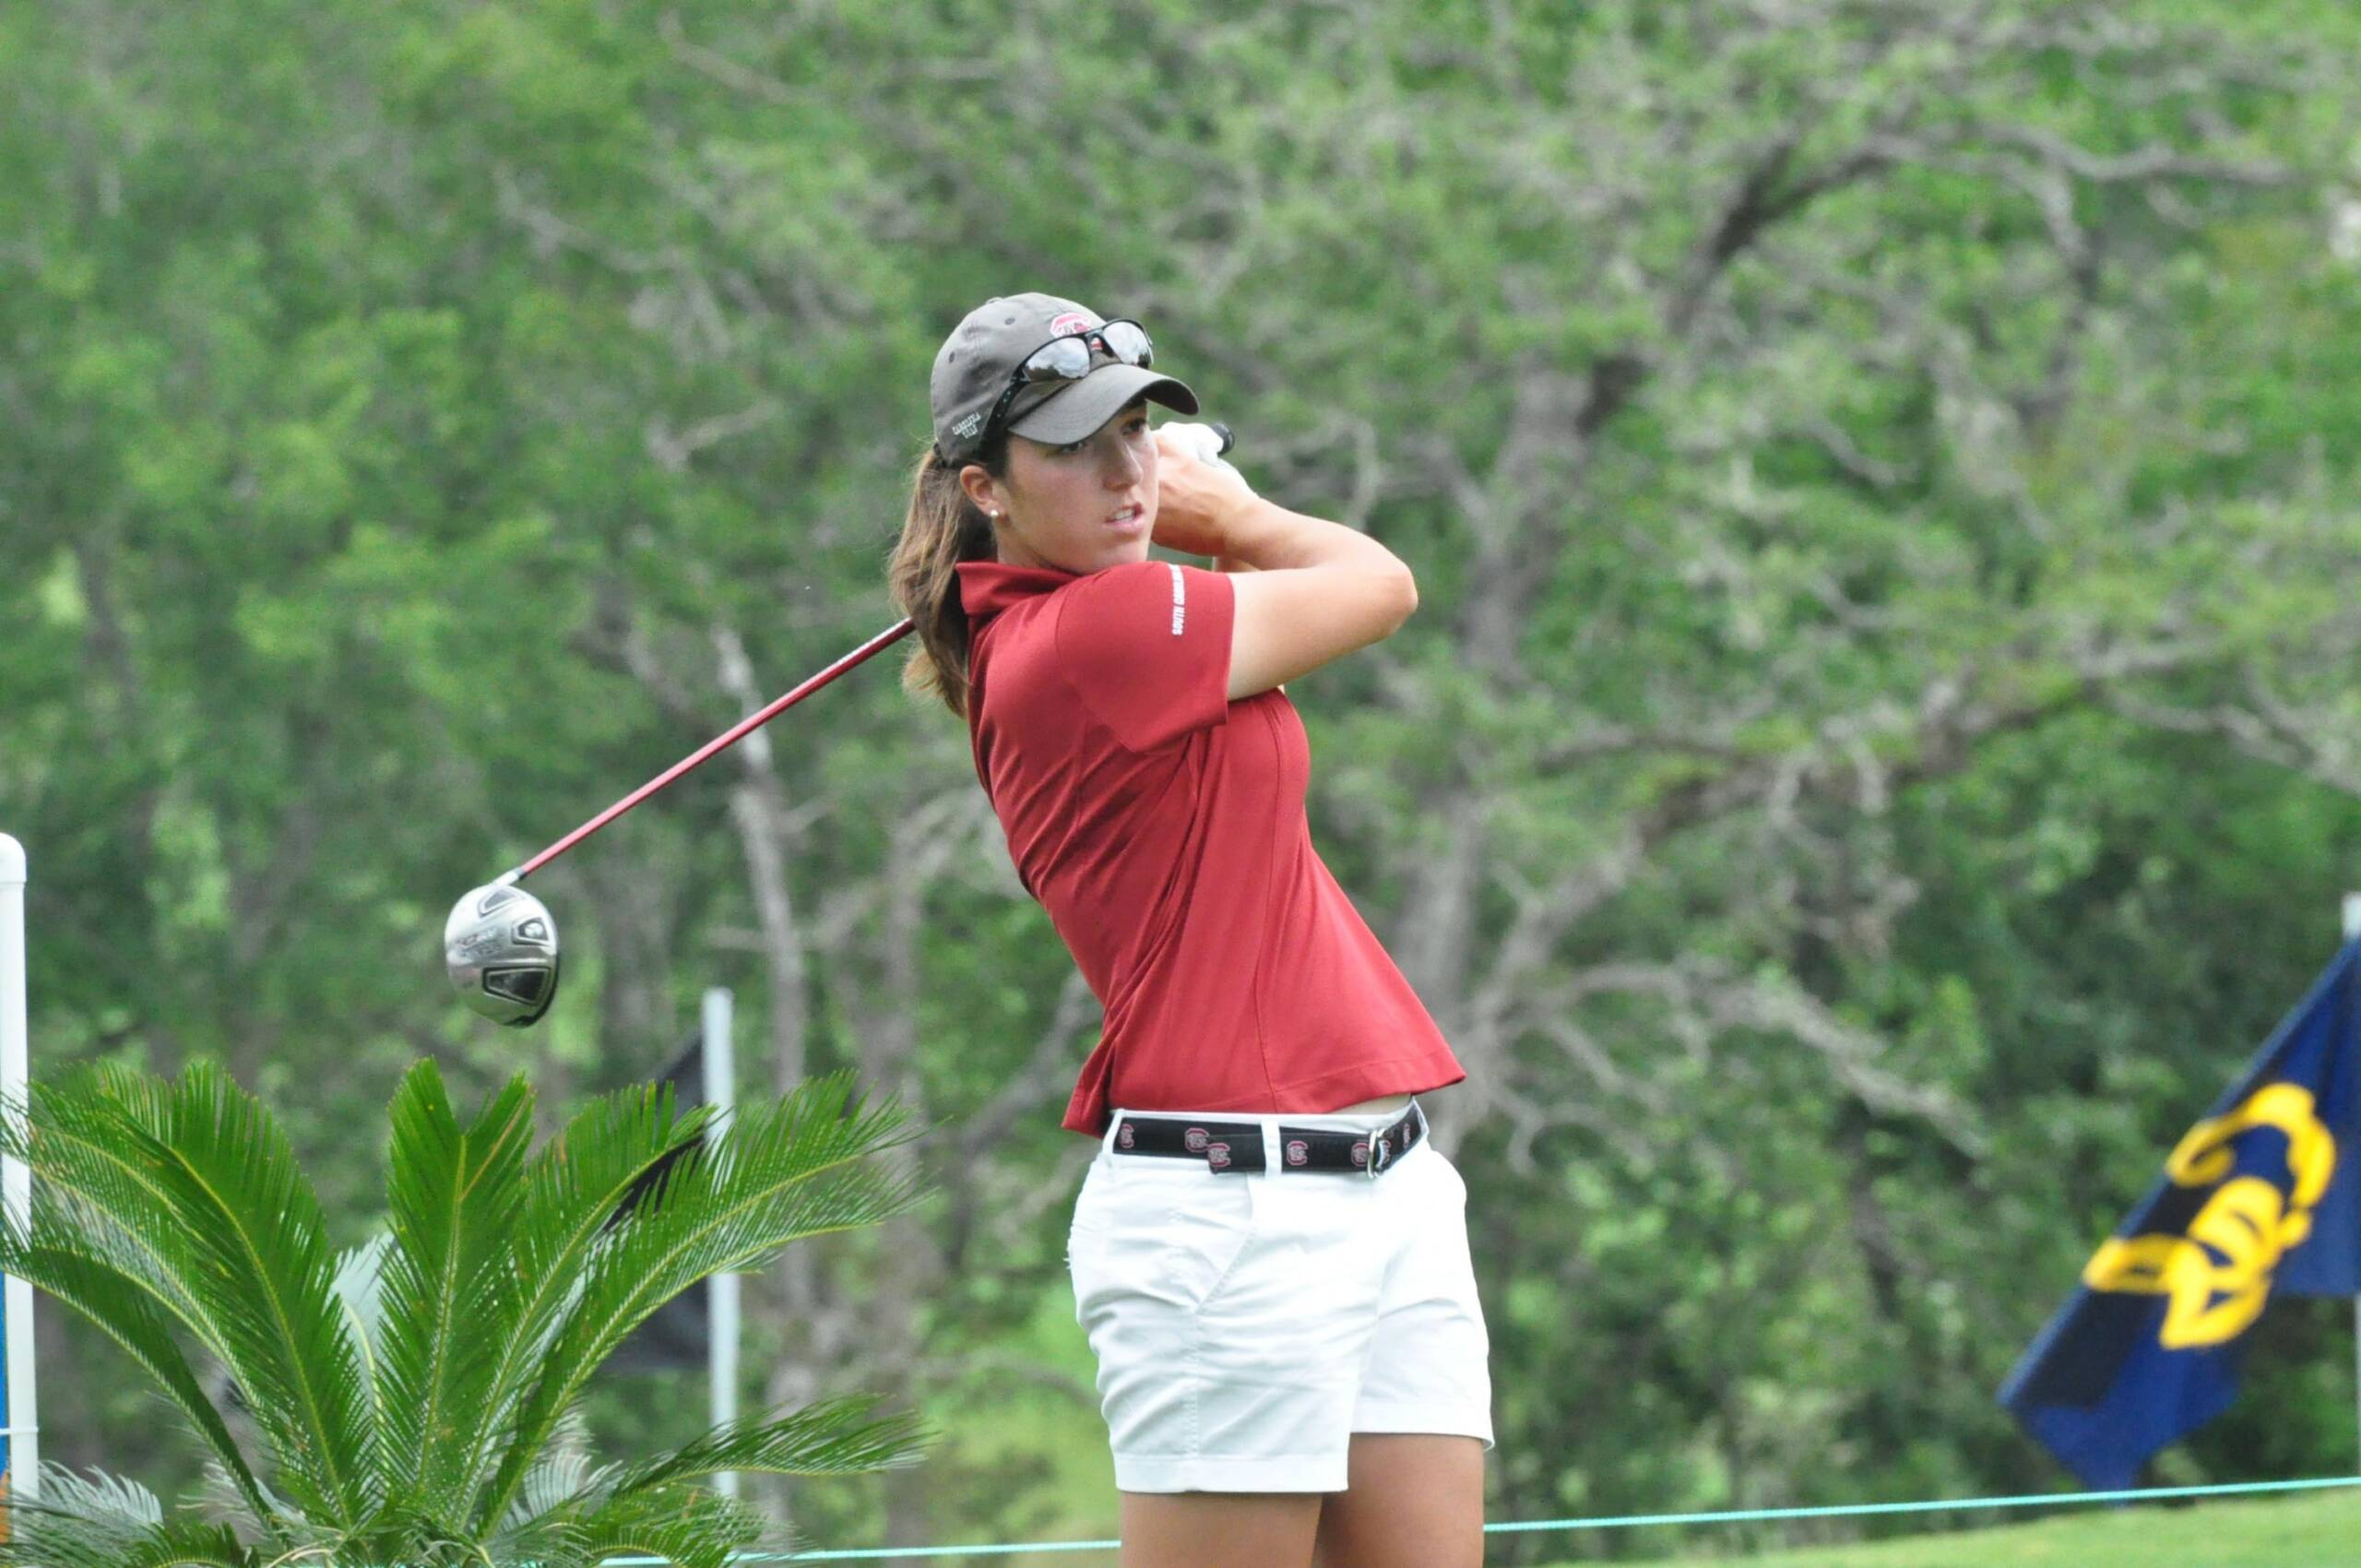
x: 1015, y: 656
x: 1137, y: 608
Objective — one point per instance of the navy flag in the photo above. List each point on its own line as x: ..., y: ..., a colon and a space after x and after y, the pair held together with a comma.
x: 2263, y: 1194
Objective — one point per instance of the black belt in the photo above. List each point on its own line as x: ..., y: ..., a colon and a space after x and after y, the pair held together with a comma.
x: 1237, y: 1145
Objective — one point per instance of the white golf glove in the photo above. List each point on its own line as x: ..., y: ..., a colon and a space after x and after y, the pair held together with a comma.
x: 1205, y: 444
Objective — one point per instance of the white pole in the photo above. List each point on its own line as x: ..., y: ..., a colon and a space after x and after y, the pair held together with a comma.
x: 2352, y: 929
x: 721, y: 1092
x: 16, y: 1179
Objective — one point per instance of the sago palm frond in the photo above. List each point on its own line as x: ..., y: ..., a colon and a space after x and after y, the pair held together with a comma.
x: 567, y: 1506
x: 265, y: 1278
x: 91, y: 1519
x: 825, y: 1437
x: 419, y: 1395
x: 188, y: 1543
x: 105, y: 1186
x: 108, y: 1242
x: 126, y: 1313
x: 190, y: 1191
x: 99, y: 1497
x: 686, y: 1526
x: 359, y: 1283
x: 360, y: 1292
x: 223, y: 1498
x: 104, y: 1522
x: 556, y: 1482
x: 780, y: 1173
x: 572, y: 1187
x: 447, y: 1281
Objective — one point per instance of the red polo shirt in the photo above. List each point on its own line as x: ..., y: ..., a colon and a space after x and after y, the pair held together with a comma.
x: 1162, y: 827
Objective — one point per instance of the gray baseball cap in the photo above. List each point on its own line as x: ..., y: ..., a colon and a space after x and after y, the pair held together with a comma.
x: 973, y: 367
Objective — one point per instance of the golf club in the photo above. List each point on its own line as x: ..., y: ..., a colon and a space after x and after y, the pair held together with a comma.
x: 499, y: 943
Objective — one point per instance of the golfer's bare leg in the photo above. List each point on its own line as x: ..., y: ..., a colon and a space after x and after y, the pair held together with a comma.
x: 1412, y: 1500
x: 1219, y: 1529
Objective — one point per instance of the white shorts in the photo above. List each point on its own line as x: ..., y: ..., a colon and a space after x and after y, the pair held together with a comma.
x: 1246, y: 1325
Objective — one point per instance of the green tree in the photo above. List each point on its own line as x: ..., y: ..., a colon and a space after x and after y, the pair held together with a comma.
x: 1882, y: 480
x: 411, y: 1401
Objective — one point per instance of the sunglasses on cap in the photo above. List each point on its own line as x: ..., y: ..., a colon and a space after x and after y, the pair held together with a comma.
x: 1067, y: 358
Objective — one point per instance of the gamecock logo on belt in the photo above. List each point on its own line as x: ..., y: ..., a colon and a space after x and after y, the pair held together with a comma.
x: 1193, y: 1140
x: 1297, y: 1153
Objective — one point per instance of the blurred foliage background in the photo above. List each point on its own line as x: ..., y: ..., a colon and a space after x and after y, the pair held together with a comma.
x: 1876, y: 753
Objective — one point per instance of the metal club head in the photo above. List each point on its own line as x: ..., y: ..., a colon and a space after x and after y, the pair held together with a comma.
x: 501, y: 949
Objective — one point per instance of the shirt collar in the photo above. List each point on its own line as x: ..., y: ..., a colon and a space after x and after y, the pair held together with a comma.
x: 987, y: 588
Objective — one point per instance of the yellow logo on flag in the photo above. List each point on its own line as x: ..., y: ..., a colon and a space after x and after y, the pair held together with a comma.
x: 2218, y: 1275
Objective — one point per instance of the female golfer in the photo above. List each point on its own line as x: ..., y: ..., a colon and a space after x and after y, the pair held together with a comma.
x: 1269, y: 1256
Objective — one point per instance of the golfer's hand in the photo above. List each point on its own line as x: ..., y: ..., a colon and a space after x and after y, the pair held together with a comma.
x: 1197, y: 493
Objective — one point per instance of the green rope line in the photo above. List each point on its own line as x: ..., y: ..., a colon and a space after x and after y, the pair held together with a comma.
x: 1604, y: 1522
x: 2037, y: 1500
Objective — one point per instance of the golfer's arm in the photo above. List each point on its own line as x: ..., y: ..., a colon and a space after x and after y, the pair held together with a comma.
x: 1315, y: 592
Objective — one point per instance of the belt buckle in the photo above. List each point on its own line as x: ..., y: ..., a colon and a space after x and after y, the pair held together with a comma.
x: 1381, y: 1146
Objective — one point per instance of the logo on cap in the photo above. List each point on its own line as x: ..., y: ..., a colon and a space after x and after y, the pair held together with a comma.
x: 1297, y: 1153
x: 1071, y: 322
x: 969, y: 426
x: 1193, y: 1140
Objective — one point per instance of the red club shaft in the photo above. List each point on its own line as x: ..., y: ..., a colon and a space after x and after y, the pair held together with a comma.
x: 714, y: 747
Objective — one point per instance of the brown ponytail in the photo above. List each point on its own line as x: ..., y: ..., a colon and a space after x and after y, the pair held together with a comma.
x: 943, y: 528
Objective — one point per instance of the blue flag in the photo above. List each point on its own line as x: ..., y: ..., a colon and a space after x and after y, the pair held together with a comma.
x: 2263, y: 1194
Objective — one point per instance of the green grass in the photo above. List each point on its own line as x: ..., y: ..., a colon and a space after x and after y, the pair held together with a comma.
x: 2322, y: 1530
